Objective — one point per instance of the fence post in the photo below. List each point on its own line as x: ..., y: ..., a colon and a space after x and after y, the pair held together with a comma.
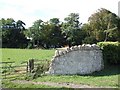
x: 27, y: 68
x: 31, y: 65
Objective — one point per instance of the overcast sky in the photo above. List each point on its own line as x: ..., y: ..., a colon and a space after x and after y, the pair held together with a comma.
x: 30, y: 10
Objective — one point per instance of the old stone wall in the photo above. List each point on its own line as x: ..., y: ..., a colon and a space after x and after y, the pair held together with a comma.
x: 82, y: 59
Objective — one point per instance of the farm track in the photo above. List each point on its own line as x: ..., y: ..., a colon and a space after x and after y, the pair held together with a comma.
x: 67, y: 85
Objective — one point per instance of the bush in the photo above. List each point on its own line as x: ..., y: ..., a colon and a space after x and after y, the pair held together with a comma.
x: 30, y: 46
x: 111, y: 52
x: 89, y: 40
x: 38, y: 70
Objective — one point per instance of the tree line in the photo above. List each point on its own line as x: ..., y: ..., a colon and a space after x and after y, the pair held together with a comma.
x: 101, y: 26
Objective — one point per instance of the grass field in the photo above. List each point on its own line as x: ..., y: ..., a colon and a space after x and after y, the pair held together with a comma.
x: 105, y: 78
x: 19, y: 55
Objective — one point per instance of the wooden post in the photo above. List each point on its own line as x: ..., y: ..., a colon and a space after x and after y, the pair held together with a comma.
x: 27, y: 68
x: 5, y: 70
x: 31, y: 65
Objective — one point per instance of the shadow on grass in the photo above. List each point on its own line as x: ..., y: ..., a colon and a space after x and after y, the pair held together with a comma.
x: 107, y: 71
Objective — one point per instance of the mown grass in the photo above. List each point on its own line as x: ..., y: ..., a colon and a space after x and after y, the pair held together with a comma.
x: 106, y: 81
x: 19, y: 55
x: 105, y: 78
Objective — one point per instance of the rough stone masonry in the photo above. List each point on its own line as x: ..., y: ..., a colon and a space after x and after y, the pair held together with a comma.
x: 82, y: 59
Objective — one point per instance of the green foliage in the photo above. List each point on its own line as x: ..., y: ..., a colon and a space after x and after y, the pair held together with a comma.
x: 46, y: 34
x: 89, y: 40
x: 13, y: 34
x: 30, y: 46
x: 34, y: 32
x: 39, y: 71
x: 71, y: 29
x: 52, y: 34
x: 111, y: 52
x: 103, y: 25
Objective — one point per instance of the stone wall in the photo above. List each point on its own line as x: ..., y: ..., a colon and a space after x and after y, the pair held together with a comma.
x: 82, y: 59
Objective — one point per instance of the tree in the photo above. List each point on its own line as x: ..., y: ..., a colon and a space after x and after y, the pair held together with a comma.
x: 35, y: 32
x: 52, y: 37
x: 89, y: 36
x: 12, y: 33
x: 104, y: 25
x: 46, y: 34
x: 55, y: 33
x: 54, y: 21
x: 20, y: 25
x: 71, y: 29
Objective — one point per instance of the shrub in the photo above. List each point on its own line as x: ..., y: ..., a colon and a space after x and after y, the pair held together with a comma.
x: 30, y: 46
x: 38, y: 70
x: 89, y: 40
x: 111, y: 52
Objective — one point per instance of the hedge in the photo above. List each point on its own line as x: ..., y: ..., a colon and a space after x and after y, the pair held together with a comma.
x: 111, y: 52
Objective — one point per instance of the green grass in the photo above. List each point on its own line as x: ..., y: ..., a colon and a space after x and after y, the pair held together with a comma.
x: 105, y: 78
x: 19, y: 55
x: 8, y: 84
x: 106, y: 81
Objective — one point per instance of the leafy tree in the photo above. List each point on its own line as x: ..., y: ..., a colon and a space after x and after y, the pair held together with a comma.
x: 54, y: 21
x: 104, y: 25
x: 12, y: 33
x: 20, y: 25
x: 46, y: 34
x: 52, y: 37
x: 89, y: 36
x: 71, y: 29
x: 55, y: 33
x: 35, y: 32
